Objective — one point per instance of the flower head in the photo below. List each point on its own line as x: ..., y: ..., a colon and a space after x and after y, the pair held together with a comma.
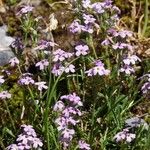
x: 14, y: 61
x: 5, y: 95
x: 83, y: 145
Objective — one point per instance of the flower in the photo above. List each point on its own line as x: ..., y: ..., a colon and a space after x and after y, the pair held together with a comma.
x: 83, y: 145
x: 1, y: 79
x: 41, y: 85
x: 131, y: 60
x: 127, y: 69
x: 146, y: 87
x: 124, y: 136
x: 43, y: 44
x: 98, y: 69
x: 42, y: 64
x: 5, y: 95
x: 25, y: 10
x: 75, y: 27
x: 14, y: 61
x: 70, y: 68
x: 81, y: 50
x: 59, y: 106
x: 136, y: 122
x: 89, y: 19
x: 26, y: 140
x: 57, y: 69
x: 67, y: 117
x: 86, y: 3
x: 26, y: 80
x: 60, y: 55
x: 98, y: 7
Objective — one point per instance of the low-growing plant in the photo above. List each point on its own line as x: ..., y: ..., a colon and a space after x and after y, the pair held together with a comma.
x: 78, y: 98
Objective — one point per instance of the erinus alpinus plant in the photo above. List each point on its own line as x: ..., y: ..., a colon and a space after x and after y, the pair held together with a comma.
x: 81, y: 97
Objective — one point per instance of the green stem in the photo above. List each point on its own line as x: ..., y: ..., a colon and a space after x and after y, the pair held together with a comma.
x: 90, y: 41
x: 12, y: 122
x: 145, y: 17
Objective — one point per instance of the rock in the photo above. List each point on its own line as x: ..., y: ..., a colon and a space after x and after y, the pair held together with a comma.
x: 5, y: 56
x: 5, y: 51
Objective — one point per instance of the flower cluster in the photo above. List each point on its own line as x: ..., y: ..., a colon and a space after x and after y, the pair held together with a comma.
x: 42, y: 64
x: 89, y: 21
x: 98, y: 69
x: 26, y: 140
x: 60, y: 65
x: 81, y: 50
x: 128, y: 62
x: 146, y: 87
x: 136, y: 122
x: 60, y: 55
x: 67, y: 116
x: 125, y: 136
x: 26, y: 80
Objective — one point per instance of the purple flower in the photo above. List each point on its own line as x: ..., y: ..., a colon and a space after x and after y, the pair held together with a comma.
x: 60, y: 55
x: 124, y: 136
x: 57, y: 69
x: 18, y: 45
x: 42, y: 64
x: 26, y: 80
x: 75, y: 27
x: 81, y: 50
x: 43, y: 44
x: 67, y: 117
x: 59, y: 106
x: 1, y: 79
x: 68, y: 134
x: 136, y: 122
x: 86, y: 3
x: 70, y: 68
x: 106, y: 42
x: 83, y: 145
x: 41, y: 85
x: 26, y: 140
x: 25, y: 10
x: 98, y: 69
x: 88, y: 28
x: 73, y: 98
x: 5, y: 95
x: 146, y: 87
x: 131, y: 60
x: 89, y: 19
x: 127, y: 69
x: 99, y: 7
x: 14, y: 61
x: 12, y: 147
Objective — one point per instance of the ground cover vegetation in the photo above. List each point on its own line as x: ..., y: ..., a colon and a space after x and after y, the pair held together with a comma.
x: 80, y: 78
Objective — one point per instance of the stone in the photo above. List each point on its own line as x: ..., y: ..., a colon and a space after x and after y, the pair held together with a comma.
x: 5, y: 41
